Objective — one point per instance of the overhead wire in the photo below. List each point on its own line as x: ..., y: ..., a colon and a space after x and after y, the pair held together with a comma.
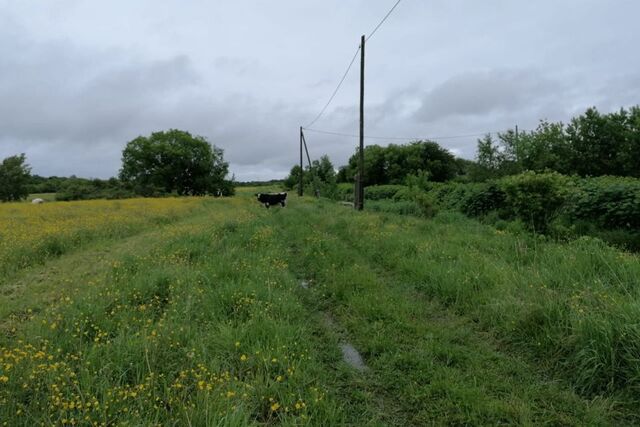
x: 344, y: 76
x: 336, y: 90
x: 400, y: 138
x: 382, y: 22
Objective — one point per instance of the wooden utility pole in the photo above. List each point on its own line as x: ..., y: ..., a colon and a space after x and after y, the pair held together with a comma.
x: 300, y: 192
x: 313, y: 176
x: 359, y: 205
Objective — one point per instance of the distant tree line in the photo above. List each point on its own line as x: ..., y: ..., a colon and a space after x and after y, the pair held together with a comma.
x: 171, y: 162
x: 74, y: 188
x: 274, y: 182
x: 592, y: 144
x: 382, y: 165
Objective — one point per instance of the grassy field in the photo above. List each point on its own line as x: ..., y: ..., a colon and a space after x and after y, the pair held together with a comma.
x: 191, y: 312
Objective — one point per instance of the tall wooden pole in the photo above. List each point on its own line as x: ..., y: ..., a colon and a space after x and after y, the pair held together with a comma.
x: 300, y: 192
x: 360, y: 202
x: 312, y: 174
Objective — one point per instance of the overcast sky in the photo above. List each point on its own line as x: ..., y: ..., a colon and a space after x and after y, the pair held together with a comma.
x: 78, y: 79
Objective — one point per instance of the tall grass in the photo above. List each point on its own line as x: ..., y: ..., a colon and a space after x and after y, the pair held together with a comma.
x: 198, y: 330
x: 573, y: 306
x: 31, y: 234
x: 203, y: 322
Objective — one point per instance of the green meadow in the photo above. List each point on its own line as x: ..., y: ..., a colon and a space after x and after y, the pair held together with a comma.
x: 231, y: 314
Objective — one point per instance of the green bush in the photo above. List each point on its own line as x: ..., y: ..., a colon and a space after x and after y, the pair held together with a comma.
x: 549, y: 203
x: 536, y: 198
x: 449, y: 196
x: 471, y: 199
x: 396, y: 207
x: 426, y: 204
x: 483, y: 198
x: 381, y: 192
x: 405, y: 194
x: 79, y: 189
x: 608, y: 202
x: 344, y: 192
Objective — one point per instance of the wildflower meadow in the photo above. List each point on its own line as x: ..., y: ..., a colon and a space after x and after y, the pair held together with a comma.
x: 190, y: 311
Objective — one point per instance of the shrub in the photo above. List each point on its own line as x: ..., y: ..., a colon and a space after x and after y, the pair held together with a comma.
x: 396, y: 207
x: 426, y: 204
x: 471, y: 199
x: 344, y: 192
x: 449, y: 196
x: 381, y: 192
x: 608, y: 202
x: 81, y: 189
x: 481, y: 199
x: 535, y: 198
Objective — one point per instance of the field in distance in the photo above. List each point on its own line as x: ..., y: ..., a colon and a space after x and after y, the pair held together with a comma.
x: 190, y: 311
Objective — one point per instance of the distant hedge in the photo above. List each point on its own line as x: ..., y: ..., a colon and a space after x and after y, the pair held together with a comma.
x: 344, y: 192
x: 545, y: 202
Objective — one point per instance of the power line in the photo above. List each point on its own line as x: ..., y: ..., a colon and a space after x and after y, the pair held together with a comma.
x: 383, y: 19
x: 344, y: 76
x: 337, y: 89
x: 399, y: 138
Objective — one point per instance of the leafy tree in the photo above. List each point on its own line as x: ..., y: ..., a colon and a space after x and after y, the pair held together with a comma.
x: 174, y: 161
x: 489, y: 155
x: 631, y: 153
x: 293, y: 179
x: 598, y: 142
x: 546, y: 148
x: 593, y: 144
x: 324, y: 174
x: 324, y: 170
x: 342, y: 175
x: 393, y: 163
x: 321, y: 177
x: 15, y: 176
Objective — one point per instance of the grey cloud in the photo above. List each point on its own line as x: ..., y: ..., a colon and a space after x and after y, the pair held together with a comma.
x: 237, y: 66
x: 486, y: 92
x: 246, y: 74
x: 54, y: 91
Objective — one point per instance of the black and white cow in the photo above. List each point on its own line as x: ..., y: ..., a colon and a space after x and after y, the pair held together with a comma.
x: 269, y: 199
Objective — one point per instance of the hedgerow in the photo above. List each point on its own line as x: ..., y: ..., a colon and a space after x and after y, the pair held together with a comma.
x: 545, y: 202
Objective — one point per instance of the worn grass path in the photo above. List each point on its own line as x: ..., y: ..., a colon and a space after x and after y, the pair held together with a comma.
x: 428, y: 364
x: 204, y: 322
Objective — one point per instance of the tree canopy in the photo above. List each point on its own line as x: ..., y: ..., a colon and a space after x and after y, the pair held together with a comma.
x: 321, y: 176
x: 15, y: 176
x: 392, y: 164
x: 174, y: 160
x: 592, y: 144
